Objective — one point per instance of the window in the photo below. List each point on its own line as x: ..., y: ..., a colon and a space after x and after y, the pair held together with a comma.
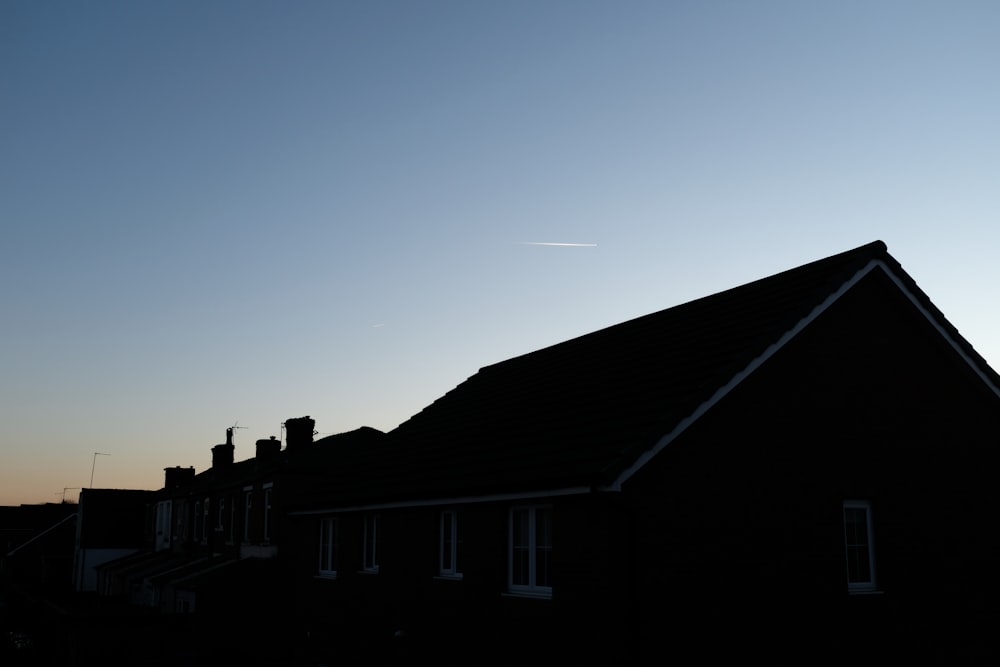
x: 859, y: 545
x: 448, y: 552
x: 232, y: 519
x: 369, y: 556
x: 267, y: 512
x: 205, y: 521
x: 199, y: 521
x: 327, y: 547
x: 220, y: 524
x: 163, y: 525
x: 530, y: 552
x: 183, y: 521
x: 247, y: 511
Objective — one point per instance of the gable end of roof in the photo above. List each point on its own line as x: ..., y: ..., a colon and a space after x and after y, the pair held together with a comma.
x: 903, y: 282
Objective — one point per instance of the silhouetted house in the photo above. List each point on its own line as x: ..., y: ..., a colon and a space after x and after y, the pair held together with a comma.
x: 216, y: 540
x: 799, y: 468
x: 36, y: 546
x: 195, y: 529
x: 110, y: 525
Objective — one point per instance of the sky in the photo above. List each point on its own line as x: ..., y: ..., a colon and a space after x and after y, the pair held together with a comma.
x: 231, y: 213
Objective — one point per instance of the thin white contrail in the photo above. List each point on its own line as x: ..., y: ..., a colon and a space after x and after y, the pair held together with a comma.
x: 567, y: 245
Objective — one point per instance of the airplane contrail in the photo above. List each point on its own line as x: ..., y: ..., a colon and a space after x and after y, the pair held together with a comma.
x: 568, y: 245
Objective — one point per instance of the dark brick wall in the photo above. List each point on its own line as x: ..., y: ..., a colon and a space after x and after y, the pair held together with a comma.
x: 740, y: 528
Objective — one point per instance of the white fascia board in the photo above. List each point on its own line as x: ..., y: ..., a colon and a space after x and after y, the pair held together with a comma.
x: 45, y: 532
x: 941, y: 330
x: 735, y: 381
x: 458, y: 500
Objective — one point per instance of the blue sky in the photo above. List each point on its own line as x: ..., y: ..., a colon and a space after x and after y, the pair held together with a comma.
x: 220, y: 213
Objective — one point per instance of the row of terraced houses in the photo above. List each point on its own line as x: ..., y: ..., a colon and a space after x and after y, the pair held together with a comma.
x: 798, y: 468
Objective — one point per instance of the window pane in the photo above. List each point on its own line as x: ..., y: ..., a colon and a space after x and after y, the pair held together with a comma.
x: 447, y: 545
x: 520, y: 525
x: 457, y: 548
x: 520, y: 555
x: 371, y: 542
x: 326, y: 544
x: 543, y: 527
x: 543, y: 546
x: 520, y: 573
x: 267, y: 514
x: 857, y: 546
x: 857, y: 525
x: 858, y: 570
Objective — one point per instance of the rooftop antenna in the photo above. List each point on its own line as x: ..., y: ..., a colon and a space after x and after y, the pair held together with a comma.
x: 234, y: 427
x: 94, y: 465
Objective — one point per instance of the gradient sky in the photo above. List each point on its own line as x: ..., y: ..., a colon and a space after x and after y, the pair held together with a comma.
x: 234, y: 213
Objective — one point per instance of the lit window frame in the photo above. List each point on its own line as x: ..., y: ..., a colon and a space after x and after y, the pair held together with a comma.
x: 247, y: 512
x: 859, y: 547
x: 369, y: 544
x: 199, y: 522
x: 529, y: 550
x: 449, y: 545
x: 206, y: 509
x: 328, y: 547
x: 268, y: 500
x: 221, y: 523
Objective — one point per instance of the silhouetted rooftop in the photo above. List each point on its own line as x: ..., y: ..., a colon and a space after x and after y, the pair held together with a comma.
x: 578, y: 413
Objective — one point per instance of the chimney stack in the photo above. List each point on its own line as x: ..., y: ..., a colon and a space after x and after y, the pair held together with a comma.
x: 299, y: 432
x: 267, y: 449
x: 222, y: 455
x: 177, y: 477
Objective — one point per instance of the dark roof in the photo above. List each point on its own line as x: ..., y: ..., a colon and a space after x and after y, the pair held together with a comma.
x: 211, y: 571
x: 581, y: 413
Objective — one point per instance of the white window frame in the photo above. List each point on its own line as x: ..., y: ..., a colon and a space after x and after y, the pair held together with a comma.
x: 448, y: 545
x: 183, y: 524
x: 206, y: 523
x: 247, y: 512
x: 528, y: 549
x: 854, y: 548
x: 221, y: 523
x: 163, y: 516
x: 199, y: 521
x: 231, y: 535
x: 328, y: 547
x: 369, y: 544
